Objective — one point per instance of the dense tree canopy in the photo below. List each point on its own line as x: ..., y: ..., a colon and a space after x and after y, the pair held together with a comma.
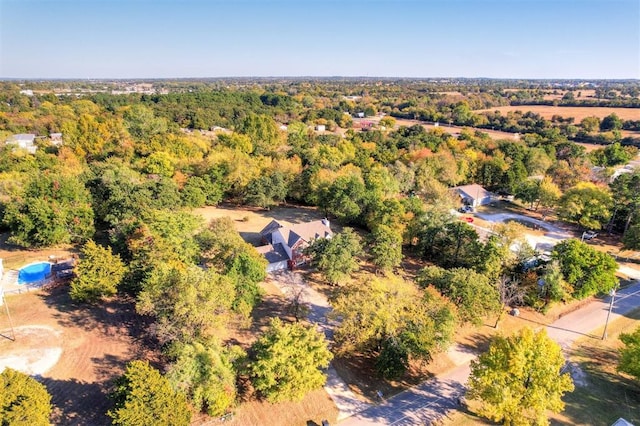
x: 142, y: 396
x: 98, y: 273
x: 23, y: 401
x: 587, y: 270
x: 287, y: 361
x: 391, y: 318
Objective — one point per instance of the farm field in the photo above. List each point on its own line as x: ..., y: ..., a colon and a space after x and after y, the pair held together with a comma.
x: 576, y: 112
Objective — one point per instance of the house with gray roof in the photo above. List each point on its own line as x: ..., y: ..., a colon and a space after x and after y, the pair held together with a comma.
x: 284, y: 245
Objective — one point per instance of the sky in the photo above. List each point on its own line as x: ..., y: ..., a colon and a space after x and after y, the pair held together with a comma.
x: 582, y: 39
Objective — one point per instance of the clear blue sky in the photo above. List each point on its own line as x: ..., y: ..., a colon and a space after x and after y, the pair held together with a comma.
x: 385, y: 38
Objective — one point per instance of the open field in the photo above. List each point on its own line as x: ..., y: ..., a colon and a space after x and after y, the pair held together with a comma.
x: 578, y: 113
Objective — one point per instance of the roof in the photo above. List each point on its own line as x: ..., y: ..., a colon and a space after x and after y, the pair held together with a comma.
x: 273, y: 254
x: 271, y: 226
x: 292, y: 234
x: 22, y: 137
x: 311, y: 230
x: 473, y: 191
x: 622, y: 422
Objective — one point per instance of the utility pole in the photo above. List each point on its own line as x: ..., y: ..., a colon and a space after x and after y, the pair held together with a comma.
x: 612, y: 293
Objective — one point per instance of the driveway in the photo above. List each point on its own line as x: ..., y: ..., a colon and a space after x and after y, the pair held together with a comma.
x: 292, y: 285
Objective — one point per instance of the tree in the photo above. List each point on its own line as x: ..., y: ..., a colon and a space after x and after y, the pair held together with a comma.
x: 586, y: 269
x: 393, y: 320
x: 519, y: 378
x: 206, y: 374
x: 336, y: 257
x: 142, y: 397
x: 23, y: 401
x: 53, y: 209
x: 590, y: 124
x: 287, y: 361
x: 631, y: 238
x: 611, y: 122
x: 98, y: 274
x: 630, y: 354
x: 189, y: 304
x: 471, y: 292
x: 587, y: 205
x: 386, y: 249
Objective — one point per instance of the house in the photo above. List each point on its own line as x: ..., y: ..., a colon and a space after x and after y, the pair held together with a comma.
x: 24, y: 141
x: 284, y: 245
x: 474, y: 195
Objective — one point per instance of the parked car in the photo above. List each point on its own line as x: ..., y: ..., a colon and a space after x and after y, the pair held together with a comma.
x: 589, y: 235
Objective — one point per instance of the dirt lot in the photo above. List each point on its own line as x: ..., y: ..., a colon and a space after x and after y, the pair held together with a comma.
x: 93, y: 344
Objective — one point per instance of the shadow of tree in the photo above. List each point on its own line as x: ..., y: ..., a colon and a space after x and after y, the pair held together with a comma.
x: 112, y: 318
x: 78, y: 403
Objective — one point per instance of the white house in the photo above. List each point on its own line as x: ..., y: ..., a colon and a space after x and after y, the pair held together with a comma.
x: 474, y: 195
x: 284, y: 245
x: 24, y: 141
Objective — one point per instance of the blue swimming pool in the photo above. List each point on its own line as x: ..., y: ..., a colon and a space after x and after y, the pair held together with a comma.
x: 34, y: 272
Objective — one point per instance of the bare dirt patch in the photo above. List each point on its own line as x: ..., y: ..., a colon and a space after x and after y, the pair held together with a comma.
x: 95, y: 342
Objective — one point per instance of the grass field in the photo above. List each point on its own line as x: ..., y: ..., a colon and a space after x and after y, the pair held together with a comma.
x: 578, y: 113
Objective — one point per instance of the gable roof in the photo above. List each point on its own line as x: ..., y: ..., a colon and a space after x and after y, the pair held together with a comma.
x: 308, y: 231
x: 473, y: 191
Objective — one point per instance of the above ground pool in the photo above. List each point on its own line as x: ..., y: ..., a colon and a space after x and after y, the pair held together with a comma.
x: 34, y: 273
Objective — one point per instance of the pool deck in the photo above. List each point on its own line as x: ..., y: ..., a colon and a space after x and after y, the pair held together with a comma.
x: 9, y: 282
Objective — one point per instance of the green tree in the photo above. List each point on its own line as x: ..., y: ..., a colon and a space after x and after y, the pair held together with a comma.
x: 519, y: 379
x: 630, y: 355
x: 386, y: 248
x: 587, y: 205
x: 206, y: 374
x: 224, y: 250
x: 53, y: 209
x: 631, y: 238
x: 98, y: 274
x: 23, y: 401
x: 287, y: 361
x: 393, y: 320
x: 143, y: 397
x: 267, y: 190
x: 586, y: 269
x: 189, y: 304
x: 611, y: 122
x: 336, y: 257
x: 471, y: 292
x: 590, y: 124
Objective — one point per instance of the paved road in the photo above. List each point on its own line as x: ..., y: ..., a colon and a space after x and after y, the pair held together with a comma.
x: 431, y: 400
